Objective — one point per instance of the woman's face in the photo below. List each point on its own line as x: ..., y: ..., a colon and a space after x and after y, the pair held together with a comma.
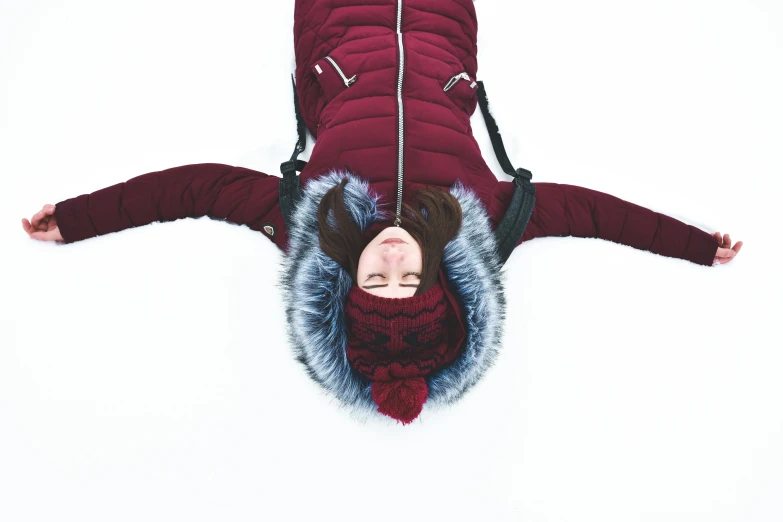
x: 390, y: 266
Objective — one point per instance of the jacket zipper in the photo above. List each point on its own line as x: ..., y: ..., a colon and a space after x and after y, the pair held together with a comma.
x: 453, y: 81
x: 346, y: 81
x: 400, y: 120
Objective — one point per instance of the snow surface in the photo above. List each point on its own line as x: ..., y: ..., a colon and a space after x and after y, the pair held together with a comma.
x: 144, y: 375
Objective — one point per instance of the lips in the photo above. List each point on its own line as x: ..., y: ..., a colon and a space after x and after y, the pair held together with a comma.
x: 393, y: 240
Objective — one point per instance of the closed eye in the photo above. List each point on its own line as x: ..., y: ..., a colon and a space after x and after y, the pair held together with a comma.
x: 406, y: 274
x: 370, y: 276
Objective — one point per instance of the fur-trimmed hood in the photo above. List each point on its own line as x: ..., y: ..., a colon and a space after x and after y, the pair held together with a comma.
x: 315, y: 287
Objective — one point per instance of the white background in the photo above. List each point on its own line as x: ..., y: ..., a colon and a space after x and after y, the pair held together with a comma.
x: 145, y: 375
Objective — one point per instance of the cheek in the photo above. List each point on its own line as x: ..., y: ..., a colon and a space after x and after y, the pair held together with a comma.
x: 416, y: 256
x: 365, y: 264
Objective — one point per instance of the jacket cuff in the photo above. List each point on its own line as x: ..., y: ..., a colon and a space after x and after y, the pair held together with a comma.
x: 702, y: 247
x: 73, y: 219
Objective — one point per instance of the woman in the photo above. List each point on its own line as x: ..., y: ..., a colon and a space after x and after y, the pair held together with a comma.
x: 391, y: 280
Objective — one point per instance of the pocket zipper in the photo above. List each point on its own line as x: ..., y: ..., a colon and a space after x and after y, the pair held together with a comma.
x: 461, y: 76
x: 347, y: 81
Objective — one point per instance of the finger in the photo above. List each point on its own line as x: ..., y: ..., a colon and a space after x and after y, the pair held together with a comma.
x: 42, y: 224
x: 36, y: 220
x: 718, y: 238
x: 31, y: 227
x: 44, y: 213
x: 737, y: 246
x: 727, y: 241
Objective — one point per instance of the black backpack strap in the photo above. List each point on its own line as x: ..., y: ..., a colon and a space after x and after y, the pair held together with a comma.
x: 512, y: 226
x: 288, y: 188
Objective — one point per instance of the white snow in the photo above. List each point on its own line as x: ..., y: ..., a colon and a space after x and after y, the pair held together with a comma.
x: 145, y: 375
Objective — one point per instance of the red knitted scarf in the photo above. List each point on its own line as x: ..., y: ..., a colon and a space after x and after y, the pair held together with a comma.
x: 397, y: 342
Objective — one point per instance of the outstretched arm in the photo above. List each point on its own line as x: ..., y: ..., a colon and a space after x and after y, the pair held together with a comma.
x: 570, y: 210
x: 234, y: 194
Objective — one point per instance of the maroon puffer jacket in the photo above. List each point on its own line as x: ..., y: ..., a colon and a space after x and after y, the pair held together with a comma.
x: 387, y: 88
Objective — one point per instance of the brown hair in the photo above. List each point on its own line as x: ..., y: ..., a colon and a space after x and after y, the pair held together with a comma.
x: 432, y: 218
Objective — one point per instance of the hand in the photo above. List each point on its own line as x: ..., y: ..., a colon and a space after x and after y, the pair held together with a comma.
x: 43, y: 225
x: 725, y: 251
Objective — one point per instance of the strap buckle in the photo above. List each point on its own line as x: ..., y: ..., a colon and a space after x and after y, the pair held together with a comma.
x: 523, y: 173
x: 288, y: 167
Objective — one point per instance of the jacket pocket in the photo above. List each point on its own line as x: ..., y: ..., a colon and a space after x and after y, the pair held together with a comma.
x: 332, y: 77
x: 462, y: 90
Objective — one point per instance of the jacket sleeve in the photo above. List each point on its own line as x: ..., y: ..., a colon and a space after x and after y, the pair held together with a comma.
x: 235, y: 194
x: 569, y: 210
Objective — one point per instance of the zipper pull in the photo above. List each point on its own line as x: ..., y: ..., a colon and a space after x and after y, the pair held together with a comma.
x: 346, y: 81
x: 455, y: 79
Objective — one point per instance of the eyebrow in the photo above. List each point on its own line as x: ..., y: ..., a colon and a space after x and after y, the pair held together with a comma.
x: 381, y: 286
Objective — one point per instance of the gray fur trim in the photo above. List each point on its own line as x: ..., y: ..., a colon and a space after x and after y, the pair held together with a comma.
x: 472, y: 267
x: 315, y: 287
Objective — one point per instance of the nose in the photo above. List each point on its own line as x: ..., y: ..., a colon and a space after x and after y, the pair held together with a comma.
x: 393, y: 255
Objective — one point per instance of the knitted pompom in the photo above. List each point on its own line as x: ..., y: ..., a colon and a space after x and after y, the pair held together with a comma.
x: 401, y: 399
